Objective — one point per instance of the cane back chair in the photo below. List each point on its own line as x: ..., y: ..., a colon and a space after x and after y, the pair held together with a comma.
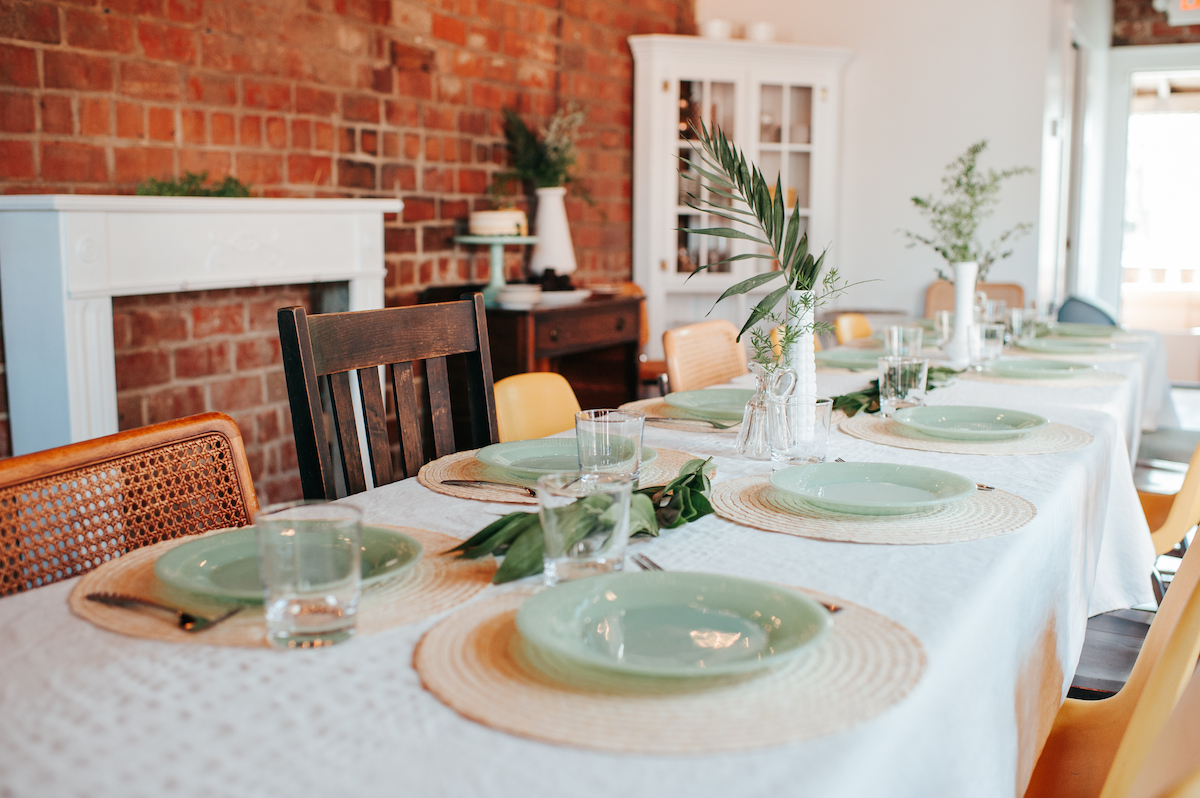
x: 330, y: 346
x: 703, y: 354
x: 67, y: 510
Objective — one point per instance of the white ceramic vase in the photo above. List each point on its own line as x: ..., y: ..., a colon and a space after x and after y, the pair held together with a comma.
x: 553, y: 249
x: 958, y: 350
x: 801, y: 356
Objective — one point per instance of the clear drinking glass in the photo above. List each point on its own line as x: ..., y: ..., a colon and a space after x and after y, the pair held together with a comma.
x: 903, y: 341
x: 943, y: 325
x: 585, y: 523
x: 987, y: 343
x: 610, y: 441
x: 310, y: 556
x: 901, y: 383
x: 1029, y: 324
x: 799, y: 430
x: 994, y: 310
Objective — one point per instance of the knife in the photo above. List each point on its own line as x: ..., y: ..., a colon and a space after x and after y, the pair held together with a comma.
x: 483, y: 483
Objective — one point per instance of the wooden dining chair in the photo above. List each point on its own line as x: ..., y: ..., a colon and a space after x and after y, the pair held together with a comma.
x: 67, y: 510
x: 850, y: 326
x: 329, y: 347
x: 703, y: 354
x: 940, y: 295
x: 534, y: 405
x: 777, y: 333
x: 1086, y: 745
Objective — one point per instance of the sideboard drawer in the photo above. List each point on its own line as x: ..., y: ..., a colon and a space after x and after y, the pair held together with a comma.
x: 585, y: 328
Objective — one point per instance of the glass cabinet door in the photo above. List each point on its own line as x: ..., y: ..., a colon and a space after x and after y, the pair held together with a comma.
x: 715, y: 102
x: 785, y: 146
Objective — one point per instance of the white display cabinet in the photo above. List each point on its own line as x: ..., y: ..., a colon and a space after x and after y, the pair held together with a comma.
x: 779, y: 103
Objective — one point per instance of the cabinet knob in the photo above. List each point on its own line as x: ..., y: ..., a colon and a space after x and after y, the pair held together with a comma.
x: 620, y: 323
x: 555, y: 333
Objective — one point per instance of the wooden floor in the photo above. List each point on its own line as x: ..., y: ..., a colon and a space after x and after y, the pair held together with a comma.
x: 1109, y: 650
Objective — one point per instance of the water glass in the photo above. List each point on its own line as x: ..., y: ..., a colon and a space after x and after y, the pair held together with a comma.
x: 987, y: 343
x: 901, y: 383
x: 994, y: 310
x: 310, y: 556
x: 1029, y: 324
x: 610, y: 441
x: 799, y: 430
x: 943, y: 325
x: 585, y: 523
x: 903, y: 341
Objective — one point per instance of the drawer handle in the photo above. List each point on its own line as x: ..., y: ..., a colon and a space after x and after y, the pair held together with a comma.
x: 620, y: 323
x: 554, y: 333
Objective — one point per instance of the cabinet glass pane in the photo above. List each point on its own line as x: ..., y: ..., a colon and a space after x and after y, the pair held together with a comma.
x: 800, y: 116
x: 724, y: 107
x: 769, y: 163
x: 688, y: 245
x: 797, y: 179
x: 687, y: 175
x: 770, y: 120
x: 691, y: 104
x: 717, y: 248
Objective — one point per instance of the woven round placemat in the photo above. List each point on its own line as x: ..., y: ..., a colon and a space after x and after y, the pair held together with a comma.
x: 476, y: 663
x: 463, y: 465
x: 434, y: 585
x: 1095, y: 379
x: 751, y: 501
x: 656, y: 407
x: 1048, y: 440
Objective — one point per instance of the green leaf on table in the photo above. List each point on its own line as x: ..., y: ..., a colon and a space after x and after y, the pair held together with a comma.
x: 524, y: 556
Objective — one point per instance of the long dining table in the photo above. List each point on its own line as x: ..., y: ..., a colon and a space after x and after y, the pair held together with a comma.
x: 88, y: 712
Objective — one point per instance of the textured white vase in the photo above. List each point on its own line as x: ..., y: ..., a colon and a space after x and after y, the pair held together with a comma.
x: 958, y: 350
x: 801, y: 356
x: 553, y: 249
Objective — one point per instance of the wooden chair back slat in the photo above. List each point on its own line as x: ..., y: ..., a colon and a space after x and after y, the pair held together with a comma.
x: 334, y: 344
x: 412, y: 442
x: 375, y: 420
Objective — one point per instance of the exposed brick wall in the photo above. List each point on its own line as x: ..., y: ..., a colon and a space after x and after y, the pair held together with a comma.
x: 1136, y: 22
x: 315, y: 98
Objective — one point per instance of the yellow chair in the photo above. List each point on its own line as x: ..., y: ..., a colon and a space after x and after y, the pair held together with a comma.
x: 777, y: 341
x: 849, y: 326
x: 1086, y: 744
x: 1171, y: 516
x: 534, y: 405
x: 1172, y: 769
x: 703, y: 354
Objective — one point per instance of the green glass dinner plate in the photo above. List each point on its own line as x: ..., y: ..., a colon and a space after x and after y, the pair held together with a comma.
x: 1026, y: 369
x: 672, y: 624
x: 225, y: 565
x: 872, y: 488
x: 847, y: 358
x: 964, y: 423
x: 1059, y: 346
x: 1077, y: 329
x: 715, y: 404
x: 533, y: 458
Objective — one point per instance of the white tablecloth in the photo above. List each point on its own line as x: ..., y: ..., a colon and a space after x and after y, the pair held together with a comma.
x: 87, y: 712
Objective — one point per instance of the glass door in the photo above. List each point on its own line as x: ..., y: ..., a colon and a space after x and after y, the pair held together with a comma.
x: 785, y: 145
x: 716, y: 103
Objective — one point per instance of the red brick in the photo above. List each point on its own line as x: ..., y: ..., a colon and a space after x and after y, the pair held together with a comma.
x: 399, y: 240
x: 167, y: 43
x: 18, y: 66
x: 412, y: 146
x: 314, y: 101
x: 173, y: 403
x: 135, y: 164
x: 185, y: 10
x: 222, y: 128
x: 398, y: 177
x: 209, y: 320
x: 75, y: 163
x: 162, y: 124
x: 345, y: 137
x: 449, y: 29
x: 269, y: 429
x: 67, y: 70
x: 95, y: 117
x: 301, y: 134
x: 454, y: 209
x: 419, y: 209
x: 402, y: 113
x: 131, y: 122
x: 260, y: 169
x: 323, y: 137
x: 269, y: 96
x: 193, y: 126
x: 35, y: 22
x: 250, y: 131
x: 369, y: 142
x: 142, y: 369
x: 276, y: 133
x: 99, y: 32
x: 391, y: 145
x: 212, y: 90
x: 16, y: 160
x: 16, y: 113
x: 129, y: 412
x: 352, y: 174
x: 153, y: 327
x: 309, y: 169
x: 433, y: 148
x: 150, y: 81
x: 238, y: 393
x: 360, y: 108
x: 472, y: 181
x: 418, y: 85
x: 56, y: 114
x: 202, y: 361
x: 135, y: 7
x: 217, y: 164
x: 258, y: 353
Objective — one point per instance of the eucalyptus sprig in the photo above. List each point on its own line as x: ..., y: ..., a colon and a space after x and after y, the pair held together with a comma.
x: 518, y: 536
x: 867, y: 400
x: 732, y: 177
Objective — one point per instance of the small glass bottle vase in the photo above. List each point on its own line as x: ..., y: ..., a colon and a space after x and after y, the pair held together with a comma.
x: 754, y: 438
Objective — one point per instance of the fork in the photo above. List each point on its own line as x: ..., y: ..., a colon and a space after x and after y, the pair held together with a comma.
x: 978, y: 485
x: 647, y: 564
x: 187, y: 621
x: 668, y: 421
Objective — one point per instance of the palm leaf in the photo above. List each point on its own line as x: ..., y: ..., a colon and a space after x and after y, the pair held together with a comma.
x: 749, y: 284
x: 763, y: 309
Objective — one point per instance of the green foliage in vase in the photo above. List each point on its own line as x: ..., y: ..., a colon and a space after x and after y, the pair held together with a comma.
x: 192, y: 185
x: 545, y: 161
x: 969, y: 196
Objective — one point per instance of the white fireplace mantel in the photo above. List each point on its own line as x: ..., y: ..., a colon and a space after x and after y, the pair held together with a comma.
x: 63, y: 257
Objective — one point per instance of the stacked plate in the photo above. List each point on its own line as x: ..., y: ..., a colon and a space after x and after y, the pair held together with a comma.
x: 847, y: 358
x: 1026, y: 369
x: 873, y: 488
x: 1059, y: 346
x: 1077, y: 329
x: 519, y: 296
x: 714, y: 404
x: 964, y: 423
x: 528, y: 460
x: 555, y: 299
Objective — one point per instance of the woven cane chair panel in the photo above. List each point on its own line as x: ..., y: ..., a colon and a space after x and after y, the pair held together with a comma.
x: 705, y: 355
x: 67, y: 524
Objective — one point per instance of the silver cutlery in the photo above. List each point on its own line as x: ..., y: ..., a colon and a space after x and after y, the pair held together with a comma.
x: 484, y: 483
x: 664, y: 421
x: 647, y: 564
x: 187, y: 621
x: 978, y: 485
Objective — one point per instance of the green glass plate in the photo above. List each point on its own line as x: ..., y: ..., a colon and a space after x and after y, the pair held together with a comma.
x: 226, y: 565
x: 847, y: 358
x: 1037, y: 369
x: 1060, y: 346
x: 715, y: 404
x: 533, y: 458
x: 1077, y: 329
x: 672, y: 624
x: 872, y: 488
x: 962, y: 423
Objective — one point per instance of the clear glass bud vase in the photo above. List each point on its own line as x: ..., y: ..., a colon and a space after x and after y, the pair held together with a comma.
x: 754, y: 438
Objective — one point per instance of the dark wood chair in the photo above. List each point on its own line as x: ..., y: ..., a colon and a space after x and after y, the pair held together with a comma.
x: 329, y: 346
x: 67, y: 510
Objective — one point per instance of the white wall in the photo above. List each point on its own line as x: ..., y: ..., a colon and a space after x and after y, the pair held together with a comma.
x: 928, y: 78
